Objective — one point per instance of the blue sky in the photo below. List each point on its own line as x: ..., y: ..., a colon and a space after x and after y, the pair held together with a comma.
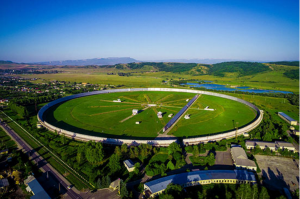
x: 39, y: 30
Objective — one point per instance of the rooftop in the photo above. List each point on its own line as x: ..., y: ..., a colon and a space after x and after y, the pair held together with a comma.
x: 4, y: 182
x: 284, y: 144
x: 286, y: 116
x: 37, y: 190
x: 129, y: 163
x: 183, y: 178
x: 268, y: 144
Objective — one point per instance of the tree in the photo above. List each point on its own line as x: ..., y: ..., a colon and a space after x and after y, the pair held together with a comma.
x: 124, y: 148
x: 170, y: 165
x: 94, y: 152
x: 62, y: 139
x: 254, y: 194
x: 80, y: 155
x: 210, y: 159
x: 99, y: 184
x: 264, y: 193
x: 118, y: 151
x: 196, y: 151
x: 123, y: 190
x: 137, y: 168
x: 172, y: 148
x: 114, y: 163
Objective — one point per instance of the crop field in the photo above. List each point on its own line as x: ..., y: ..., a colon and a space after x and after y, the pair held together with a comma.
x: 98, y: 115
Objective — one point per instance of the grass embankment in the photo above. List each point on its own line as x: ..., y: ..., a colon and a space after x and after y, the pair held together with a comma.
x: 69, y: 175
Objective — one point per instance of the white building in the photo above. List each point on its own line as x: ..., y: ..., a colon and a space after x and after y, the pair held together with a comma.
x: 170, y: 115
x: 118, y: 100
x: 135, y: 111
x: 159, y: 114
x: 208, y: 109
x: 187, y: 100
x: 138, y: 122
x: 187, y: 116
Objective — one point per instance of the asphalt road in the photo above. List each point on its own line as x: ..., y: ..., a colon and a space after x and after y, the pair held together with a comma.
x: 40, y: 161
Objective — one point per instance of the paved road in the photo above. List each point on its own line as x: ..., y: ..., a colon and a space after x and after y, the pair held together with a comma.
x: 40, y: 161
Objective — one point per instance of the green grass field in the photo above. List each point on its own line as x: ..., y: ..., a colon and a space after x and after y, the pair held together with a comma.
x: 99, y: 115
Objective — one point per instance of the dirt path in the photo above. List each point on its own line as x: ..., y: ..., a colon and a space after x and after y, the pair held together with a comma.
x: 127, y: 118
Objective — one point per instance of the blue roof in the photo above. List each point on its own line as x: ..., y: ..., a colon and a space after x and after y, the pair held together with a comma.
x: 176, y: 117
x: 129, y: 163
x: 37, y: 190
x: 183, y: 178
x: 286, y: 116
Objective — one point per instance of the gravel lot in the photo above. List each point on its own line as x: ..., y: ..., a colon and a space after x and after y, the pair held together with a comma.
x: 279, y: 172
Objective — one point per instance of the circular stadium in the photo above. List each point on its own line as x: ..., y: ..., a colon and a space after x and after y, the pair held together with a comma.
x: 157, y: 116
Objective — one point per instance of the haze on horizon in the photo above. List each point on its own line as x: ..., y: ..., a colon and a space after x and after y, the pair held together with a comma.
x: 34, y: 31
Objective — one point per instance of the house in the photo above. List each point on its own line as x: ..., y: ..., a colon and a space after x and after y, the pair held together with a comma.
x: 187, y: 116
x: 129, y: 165
x: 203, y: 177
x: 296, y: 132
x: 35, y: 188
x: 159, y: 114
x: 138, y: 122
x: 115, y: 184
x: 38, y: 125
x: 264, y: 145
x: 285, y: 145
x: 287, y: 118
x: 170, y: 115
x: 135, y: 111
x: 240, y: 158
x: 5, y: 151
x: 250, y: 144
x: 187, y: 100
x: 3, y: 183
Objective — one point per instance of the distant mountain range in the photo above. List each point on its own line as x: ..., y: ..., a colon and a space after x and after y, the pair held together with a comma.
x: 95, y: 61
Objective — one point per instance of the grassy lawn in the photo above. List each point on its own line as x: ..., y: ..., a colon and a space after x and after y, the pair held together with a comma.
x: 99, y: 115
x: 203, y: 122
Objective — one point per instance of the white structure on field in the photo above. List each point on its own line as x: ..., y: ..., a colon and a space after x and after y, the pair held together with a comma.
x: 135, y: 111
x: 187, y: 116
x: 170, y: 115
x: 159, y: 114
x: 187, y: 100
x: 118, y: 100
x: 209, y: 109
x: 138, y: 122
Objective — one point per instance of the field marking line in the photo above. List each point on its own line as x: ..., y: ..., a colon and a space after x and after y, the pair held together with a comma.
x: 121, y: 102
x: 147, y: 98
x: 111, y: 106
x: 127, y: 118
x: 110, y: 112
x: 183, y: 99
x: 131, y: 99
x: 164, y: 98
x: 37, y: 141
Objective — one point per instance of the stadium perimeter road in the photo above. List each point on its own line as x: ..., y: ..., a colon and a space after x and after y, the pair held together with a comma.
x: 40, y: 161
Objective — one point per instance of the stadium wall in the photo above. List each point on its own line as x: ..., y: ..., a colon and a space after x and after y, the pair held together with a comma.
x: 156, y: 142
